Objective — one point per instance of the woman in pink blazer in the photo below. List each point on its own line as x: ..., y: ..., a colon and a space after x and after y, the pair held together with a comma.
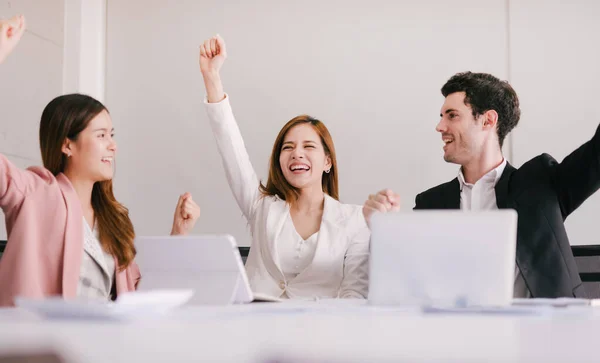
x: 67, y: 234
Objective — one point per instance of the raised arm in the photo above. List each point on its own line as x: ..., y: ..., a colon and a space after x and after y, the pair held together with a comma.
x: 577, y: 177
x: 240, y: 174
x: 15, y: 183
x: 187, y: 213
x: 11, y: 31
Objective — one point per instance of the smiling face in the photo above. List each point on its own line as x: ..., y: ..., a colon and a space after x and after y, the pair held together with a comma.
x: 303, y: 159
x: 92, y: 154
x: 463, y: 135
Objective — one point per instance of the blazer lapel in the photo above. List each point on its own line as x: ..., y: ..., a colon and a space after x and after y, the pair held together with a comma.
x: 502, y: 187
x: 329, y: 229
x: 278, y: 212
x: 452, y: 195
x: 73, y: 244
x: 94, y: 249
x: 523, y: 255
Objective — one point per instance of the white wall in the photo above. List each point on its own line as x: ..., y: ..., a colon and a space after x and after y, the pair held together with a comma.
x: 371, y: 71
x: 85, y: 46
x: 30, y: 78
x: 555, y: 69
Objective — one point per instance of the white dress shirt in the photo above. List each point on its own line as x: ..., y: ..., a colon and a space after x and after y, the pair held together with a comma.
x: 295, y: 253
x: 482, y: 196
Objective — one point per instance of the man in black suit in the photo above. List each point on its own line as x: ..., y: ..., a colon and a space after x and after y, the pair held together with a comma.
x: 478, y: 112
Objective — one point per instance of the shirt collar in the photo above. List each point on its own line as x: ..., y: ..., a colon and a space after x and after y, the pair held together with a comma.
x: 492, y: 176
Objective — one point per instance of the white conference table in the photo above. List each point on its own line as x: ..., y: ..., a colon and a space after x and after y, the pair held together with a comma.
x: 314, y: 332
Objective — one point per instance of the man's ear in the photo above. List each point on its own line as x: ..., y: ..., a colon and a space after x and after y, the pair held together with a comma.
x: 490, y: 119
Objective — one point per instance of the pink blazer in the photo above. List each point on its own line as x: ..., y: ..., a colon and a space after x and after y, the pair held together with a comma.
x: 45, y: 236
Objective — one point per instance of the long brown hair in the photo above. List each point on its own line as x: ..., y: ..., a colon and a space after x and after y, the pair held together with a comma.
x: 278, y: 185
x: 65, y: 117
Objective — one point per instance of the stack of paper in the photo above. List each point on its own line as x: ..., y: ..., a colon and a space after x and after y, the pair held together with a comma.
x: 558, y: 302
x: 128, y: 306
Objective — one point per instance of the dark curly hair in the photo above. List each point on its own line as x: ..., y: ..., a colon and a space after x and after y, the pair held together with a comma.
x: 484, y: 92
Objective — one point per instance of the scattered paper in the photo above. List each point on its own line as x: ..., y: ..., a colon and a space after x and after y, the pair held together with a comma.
x: 128, y: 306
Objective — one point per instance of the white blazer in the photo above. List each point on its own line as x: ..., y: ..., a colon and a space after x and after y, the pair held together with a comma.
x: 340, y: 264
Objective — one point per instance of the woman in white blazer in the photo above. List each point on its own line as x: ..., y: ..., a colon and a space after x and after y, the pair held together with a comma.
x: 305, y: 243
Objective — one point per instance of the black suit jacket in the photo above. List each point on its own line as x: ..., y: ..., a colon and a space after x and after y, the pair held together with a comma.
x: 544, y: 193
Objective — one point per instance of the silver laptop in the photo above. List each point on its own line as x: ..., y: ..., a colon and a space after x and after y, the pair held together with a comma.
x: 209, y: 265
x: 443, y: 258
